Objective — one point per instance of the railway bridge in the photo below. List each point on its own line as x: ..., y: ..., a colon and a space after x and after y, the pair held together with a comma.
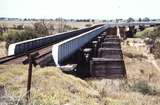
x: 96, y: 51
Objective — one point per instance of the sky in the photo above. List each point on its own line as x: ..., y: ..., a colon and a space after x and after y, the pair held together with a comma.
x: 80, y: 9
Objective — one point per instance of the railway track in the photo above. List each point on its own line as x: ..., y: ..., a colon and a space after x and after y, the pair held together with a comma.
x: 7, y: 59
x: 43, y: 51
x: 18, y: 59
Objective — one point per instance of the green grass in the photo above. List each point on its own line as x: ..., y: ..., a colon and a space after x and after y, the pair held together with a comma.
x: 144, y: 33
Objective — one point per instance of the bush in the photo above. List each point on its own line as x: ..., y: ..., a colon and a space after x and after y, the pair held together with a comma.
x: 130, y: 20
x: 152, y: 33
x: 51, y: 27
x: 1, y: 38
x: 156, y: 50
x: 155, y: 33
x: 146, y: 19
x: 13, y: 36
x: 20, y: 27
x: 41, y: 29
x: 67, y: 27
x: 17, y: 36
x: 144, y: 88
x: 145, y: 33
x: 138, y: 56
x: 88, y: 25
x: 75, y: 28
x: 1, y: 31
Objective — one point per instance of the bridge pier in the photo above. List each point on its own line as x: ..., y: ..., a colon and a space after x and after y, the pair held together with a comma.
x: 109, y: 62
x: 95, y: 47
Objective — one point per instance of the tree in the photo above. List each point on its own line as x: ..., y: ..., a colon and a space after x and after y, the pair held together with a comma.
x: 146, y: 19
x: 139, y: 19
x: 104, y: 20
x: 41, y: 28
x: 130, y: 20
x: 93, y: 20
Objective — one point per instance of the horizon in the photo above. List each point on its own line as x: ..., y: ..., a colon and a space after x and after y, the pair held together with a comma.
x: 75, y: 18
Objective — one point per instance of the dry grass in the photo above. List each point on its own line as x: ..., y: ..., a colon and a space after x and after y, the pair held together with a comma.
x: 3, y: 51
x: 52, y: 87
x: 56, y: 23
x: 140, y: 88
x: 49, y: 86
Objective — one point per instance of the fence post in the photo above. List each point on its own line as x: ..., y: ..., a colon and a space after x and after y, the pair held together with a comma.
x: 29, y: 77
x: 32, y: 62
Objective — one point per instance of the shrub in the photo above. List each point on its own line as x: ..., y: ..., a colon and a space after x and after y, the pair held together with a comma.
x: 156, y: 50
x: 88, y: 25
x: 16, y: 36
x: 41, y: 29
x: 152, y: 33
x: 1, y: 36
x: 75, y: 28
x: 20, y: 27
x: 1, y: 31
x: 141, y: 87
x: 144, y: 88
x: 145, y: 33
x: 13, y: 36
x: 51, y: 27
x: 67, y: 27
x: 130, y: 20
x: 130, y: 55
x: 155, y: 33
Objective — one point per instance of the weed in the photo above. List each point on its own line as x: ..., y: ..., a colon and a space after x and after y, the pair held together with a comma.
x: 144, y: 88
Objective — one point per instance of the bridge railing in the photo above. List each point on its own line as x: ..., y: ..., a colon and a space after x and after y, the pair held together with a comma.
x: 65, y: 49
x: 32, y: 44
